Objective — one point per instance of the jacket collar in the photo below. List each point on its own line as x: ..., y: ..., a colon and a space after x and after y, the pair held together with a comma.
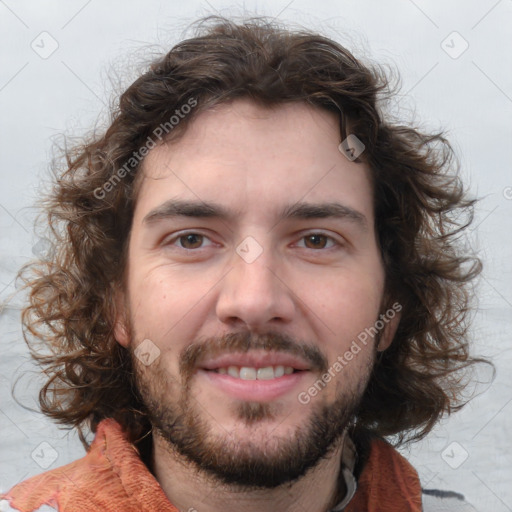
x: 112, y: 477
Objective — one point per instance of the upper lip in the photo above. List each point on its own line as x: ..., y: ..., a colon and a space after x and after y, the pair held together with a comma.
x: 255, y: 359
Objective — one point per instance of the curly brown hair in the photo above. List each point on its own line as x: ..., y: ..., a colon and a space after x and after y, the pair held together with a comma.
x: 421, y: 210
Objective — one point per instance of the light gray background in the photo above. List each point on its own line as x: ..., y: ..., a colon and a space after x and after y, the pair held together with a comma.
x: 470, y: 96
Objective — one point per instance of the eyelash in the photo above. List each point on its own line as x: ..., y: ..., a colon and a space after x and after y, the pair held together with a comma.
x: 182, y: 235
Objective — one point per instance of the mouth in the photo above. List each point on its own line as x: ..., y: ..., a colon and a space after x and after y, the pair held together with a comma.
x: 252, y: 373
x: 261, y: 377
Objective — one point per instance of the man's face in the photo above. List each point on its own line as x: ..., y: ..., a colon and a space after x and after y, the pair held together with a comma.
x: 253, y: 265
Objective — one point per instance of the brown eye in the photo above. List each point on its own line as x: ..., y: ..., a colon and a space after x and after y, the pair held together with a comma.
x: 316, y: 241
x: 191, y: 241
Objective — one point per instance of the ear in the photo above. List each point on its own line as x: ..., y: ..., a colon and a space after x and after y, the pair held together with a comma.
x: 392, y: 318
x: 121, y: 319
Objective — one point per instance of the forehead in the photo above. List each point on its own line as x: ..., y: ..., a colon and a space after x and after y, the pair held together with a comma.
x: 255, y: 157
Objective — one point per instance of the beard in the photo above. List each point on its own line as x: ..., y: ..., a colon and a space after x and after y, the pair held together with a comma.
x: 260, y: 460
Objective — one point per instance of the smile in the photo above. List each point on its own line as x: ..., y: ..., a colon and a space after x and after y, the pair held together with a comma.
x: 252, y: 373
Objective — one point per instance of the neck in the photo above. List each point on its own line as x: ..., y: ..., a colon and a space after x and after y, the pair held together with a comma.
x: 190, y: 489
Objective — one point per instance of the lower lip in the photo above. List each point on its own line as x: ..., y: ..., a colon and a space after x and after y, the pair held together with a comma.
x: 255, y: 390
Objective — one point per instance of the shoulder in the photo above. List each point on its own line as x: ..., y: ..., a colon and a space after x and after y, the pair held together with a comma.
x: 435, y: 500
x: 46, y: 492
x: 369, y: 446
x: 6, y: 507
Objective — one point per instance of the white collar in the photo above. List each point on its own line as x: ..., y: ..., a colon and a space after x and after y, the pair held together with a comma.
x: 348, y: 462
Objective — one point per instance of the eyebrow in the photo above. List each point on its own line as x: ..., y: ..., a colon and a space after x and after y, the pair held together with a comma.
x: 178, y: 208
x: 301, y: 210
x: 334, y: 210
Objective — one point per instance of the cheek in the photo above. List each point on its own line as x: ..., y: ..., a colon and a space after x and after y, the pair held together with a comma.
x: 159, y: 383
x: 347, y: 303
x: 350, y: 307
x: 154, y: 304
x: 167, y: 306
x: 347, y: 375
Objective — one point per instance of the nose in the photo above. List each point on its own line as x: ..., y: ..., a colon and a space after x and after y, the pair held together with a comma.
x: 254, y: 296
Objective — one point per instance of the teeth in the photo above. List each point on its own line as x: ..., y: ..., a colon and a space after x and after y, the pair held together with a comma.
x: 250, y: 373
x: 233, y: 371
x: 279, y: 371
x: 266, y: 373
x: 247, y: 373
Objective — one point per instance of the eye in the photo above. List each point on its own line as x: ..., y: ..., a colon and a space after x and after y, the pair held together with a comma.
x: 317, y: 241
x: 190, y: 241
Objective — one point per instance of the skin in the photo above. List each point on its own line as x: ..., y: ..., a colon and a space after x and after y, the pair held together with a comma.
x: 321, y: 291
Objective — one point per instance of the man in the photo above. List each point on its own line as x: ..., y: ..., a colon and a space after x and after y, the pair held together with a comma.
x: 256, y: 279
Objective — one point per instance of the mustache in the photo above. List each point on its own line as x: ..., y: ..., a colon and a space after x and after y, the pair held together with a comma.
x: 245, y: 341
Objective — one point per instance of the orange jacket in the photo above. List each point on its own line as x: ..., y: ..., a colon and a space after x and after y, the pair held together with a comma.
x: 112, y: 478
